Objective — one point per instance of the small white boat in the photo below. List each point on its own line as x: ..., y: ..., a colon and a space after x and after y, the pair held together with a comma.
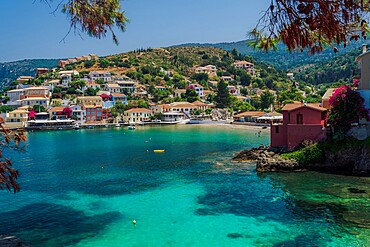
x: 131, y: 127
x: 118, y: 125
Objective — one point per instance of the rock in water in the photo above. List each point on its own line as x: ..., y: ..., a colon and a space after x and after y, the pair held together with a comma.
x: 12, y: 241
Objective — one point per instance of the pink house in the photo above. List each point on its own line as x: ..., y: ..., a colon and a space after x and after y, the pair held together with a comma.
x: 300, y: 122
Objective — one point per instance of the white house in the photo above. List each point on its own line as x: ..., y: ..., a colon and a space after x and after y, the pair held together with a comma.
x: 129, y: 86
x: 113, y: 88
x: 104, y: 75
x: 364, y: 83
x: 79, y: 113
x: 247, y: 66
x: 35, y: 101
x: 208, y: 69
x: 198, y: 88
x: 14, y: 97
x: 137, y: 115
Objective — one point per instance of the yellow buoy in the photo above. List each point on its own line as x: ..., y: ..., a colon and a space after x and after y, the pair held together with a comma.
x: 158, y: 150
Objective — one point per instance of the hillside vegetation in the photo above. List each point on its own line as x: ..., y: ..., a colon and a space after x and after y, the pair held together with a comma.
x: 282, y: 58
x: 341, y: 69
x: 12, y: 70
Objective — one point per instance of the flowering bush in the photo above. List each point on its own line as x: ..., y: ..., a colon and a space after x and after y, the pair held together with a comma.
x: 67, y: 112
x: 356, y: 82
x: 347, y: 108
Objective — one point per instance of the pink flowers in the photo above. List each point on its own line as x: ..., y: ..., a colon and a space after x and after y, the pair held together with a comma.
x: 347, y: 107
x: 356, y: 82
x: 67, y: 112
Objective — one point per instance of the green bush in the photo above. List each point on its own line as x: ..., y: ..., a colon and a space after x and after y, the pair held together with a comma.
x: 311, y: 154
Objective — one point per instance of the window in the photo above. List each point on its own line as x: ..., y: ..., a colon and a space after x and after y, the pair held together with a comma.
x: 299, y: 118
x: 277, y: 129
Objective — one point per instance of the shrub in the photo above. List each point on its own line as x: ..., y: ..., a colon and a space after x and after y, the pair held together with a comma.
x: 347, y: 108
x: 311, y: 154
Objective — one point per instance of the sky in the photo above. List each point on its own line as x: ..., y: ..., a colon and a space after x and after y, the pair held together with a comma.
x: 29, y: 30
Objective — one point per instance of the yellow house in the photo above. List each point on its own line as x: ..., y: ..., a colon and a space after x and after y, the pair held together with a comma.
x: 16, y: 119
x: 137, y: 115
x: 90, y: 100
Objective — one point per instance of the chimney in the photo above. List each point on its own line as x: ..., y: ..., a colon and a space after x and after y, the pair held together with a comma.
x: 363, y: 48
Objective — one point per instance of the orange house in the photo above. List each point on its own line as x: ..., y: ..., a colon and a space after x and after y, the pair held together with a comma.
x: 300, y: 122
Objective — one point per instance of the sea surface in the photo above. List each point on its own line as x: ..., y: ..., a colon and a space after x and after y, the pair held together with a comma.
x: 85, y: 188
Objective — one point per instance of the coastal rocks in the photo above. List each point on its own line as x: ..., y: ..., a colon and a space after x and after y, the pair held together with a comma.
x: 12, y: 241
x: 276, y: 163
x: 353, y: 160
x: 267, y: 160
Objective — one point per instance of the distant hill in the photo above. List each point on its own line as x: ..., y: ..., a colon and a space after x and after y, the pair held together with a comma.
x: 283, y: 59
x: 12, y: 70
x: 339, y: 69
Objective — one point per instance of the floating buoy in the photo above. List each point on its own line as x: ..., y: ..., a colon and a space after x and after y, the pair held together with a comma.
x: 158, y: 150
x: 134, y: 222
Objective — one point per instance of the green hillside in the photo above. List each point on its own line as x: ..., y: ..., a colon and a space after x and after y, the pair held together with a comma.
x: 341, y: 69
x: 282, y: 58
x: 12, y: 70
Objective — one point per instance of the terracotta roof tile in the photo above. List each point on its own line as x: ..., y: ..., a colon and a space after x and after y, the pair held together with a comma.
x: 291, y: 107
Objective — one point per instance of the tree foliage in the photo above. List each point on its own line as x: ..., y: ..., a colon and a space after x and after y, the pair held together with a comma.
x: 191, y: 95
x: 223, y: 96
x: 267, y: 99
x: 347, y: 108
x: 94, y: 17
x: 311, y: 24
x: 9, y: 140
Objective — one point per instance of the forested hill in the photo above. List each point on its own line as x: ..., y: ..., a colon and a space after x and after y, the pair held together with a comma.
x: 12, y: 70
x: 283, y: 59
x: 340, y: 69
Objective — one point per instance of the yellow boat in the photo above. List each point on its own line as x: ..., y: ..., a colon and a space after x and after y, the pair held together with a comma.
x: 158, y: 150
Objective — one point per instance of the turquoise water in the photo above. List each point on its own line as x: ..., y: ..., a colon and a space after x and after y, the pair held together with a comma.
x: 85, y: 187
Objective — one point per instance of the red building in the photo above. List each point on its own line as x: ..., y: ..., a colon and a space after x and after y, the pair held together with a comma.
x: 93, y: 113
x: 300, y: 122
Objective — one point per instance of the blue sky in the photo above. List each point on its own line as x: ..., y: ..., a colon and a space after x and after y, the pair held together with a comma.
x: 30, y: 31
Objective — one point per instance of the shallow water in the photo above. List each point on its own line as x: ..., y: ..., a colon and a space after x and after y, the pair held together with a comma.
x: 85, y: 187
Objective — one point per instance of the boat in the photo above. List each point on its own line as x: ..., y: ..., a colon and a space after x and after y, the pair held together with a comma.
x: 118, y: 125
x: 76, y: 126
x: 159, y: 150
x: 131, y: 127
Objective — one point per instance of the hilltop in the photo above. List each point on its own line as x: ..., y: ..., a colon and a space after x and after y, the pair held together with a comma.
x: 282, y: 58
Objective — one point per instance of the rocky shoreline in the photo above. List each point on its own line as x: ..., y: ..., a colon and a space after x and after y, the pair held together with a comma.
x: 268, y: 160
x: 353, y: 161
